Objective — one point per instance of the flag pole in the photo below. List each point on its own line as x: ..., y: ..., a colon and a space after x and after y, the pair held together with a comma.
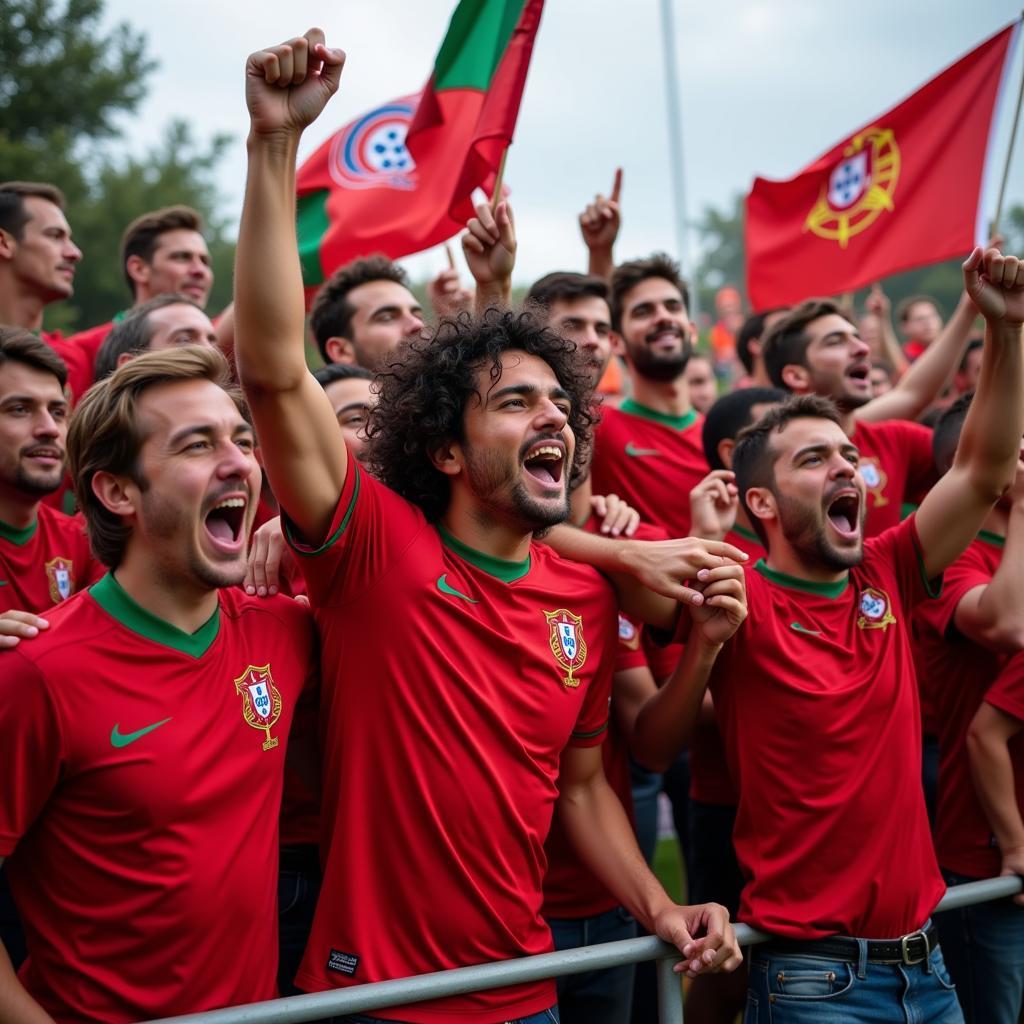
x: 498, y: 181
x: 675, y: 136
x: 1009, y: 151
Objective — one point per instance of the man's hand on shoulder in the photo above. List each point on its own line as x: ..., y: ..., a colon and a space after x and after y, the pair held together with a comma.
x: 287, y: 86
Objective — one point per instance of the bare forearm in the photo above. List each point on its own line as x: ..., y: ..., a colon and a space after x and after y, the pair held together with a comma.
x: 891, y: 350
x: 928, y: 375
x: 992, y: 771
x: 601, y: 263
x: 497, y: 295
x: 666, y: 722
x: 269, y: 301
x: 603, y: 837
x: 16, y: 1005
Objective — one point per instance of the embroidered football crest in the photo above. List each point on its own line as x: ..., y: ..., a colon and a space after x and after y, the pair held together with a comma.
x: 261, y: 700
x: 567, y: 643
x: 874, y: 480
x: 875, y: 610
x: 629, y: 635
x: 859, y: 188
x: 61, y: 574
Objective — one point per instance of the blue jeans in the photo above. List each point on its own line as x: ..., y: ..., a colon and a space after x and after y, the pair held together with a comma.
x: 544, y: 1017
x: 596, y: 997
x: 984, y: 948
x: 789, y: 989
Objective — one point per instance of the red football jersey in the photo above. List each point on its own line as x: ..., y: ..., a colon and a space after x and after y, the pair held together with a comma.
x: 960, y: 671
x: 143, y: 771
x: 817, y: 702
x: 452, y: 682
x: 572, y: 890
x: 1007, y: 694
x: 45, y: 563
x: 651, y: 460
x: 897, y: 465
x: 78, y: 363
x: 89, y: 341
x: 710, y: 782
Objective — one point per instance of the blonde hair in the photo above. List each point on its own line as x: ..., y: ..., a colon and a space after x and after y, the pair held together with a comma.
x: 105, y: 435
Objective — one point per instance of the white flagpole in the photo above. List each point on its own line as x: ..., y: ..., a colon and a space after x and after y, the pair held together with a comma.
x: 1009, y: 154
x: 675, y: 138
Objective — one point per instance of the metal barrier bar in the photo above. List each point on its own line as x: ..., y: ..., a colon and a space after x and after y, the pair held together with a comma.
x: 459, y: 981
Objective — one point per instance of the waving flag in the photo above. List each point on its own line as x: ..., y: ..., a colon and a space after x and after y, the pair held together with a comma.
x: 903, y: 191
x: 399, y: 179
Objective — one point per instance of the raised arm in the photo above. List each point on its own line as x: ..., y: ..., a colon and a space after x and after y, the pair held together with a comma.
x: 986, y: 458
x: 286, y: 87
x: 489, y: 246
x: 928, y: 374
x: 599, y: 226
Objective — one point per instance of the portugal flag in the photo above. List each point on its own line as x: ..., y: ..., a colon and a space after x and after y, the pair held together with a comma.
x: 903, y: 191
x: 399, y: 179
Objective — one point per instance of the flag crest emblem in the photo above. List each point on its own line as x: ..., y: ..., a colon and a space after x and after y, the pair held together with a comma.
x: 567, y: 643
x: 859, y: 188
x: 60, y: 572
x: 371, y: 151
x: 875, y: 610
x: 261, y: 700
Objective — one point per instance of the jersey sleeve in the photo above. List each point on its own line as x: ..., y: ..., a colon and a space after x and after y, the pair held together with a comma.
x: 966, y: 573
x: 370, y: 529
x: 32, y: 753
x: 592, y: 724
x: 898, y: 551
x: 1007, y: 692
x: 629, y: 651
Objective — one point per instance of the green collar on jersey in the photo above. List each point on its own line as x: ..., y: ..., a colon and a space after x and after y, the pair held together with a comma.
x: 744, y: 532
x: 829, y: 590
x: 16, y: 536
x: 502, y: 568
x: 987, y: 536
x: 675, y: 422
x: 114, y: 600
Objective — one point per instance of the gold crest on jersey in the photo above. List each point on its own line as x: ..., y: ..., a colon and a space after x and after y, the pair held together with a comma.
x: 60, y: 572
x: 567, y: 643
x: 875, y: 610
x: 875, y: 479
x: 261, y: 700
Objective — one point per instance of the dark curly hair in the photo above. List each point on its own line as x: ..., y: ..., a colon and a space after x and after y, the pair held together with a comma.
x: 427, y: 381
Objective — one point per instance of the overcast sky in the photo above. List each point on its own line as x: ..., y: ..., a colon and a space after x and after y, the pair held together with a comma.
x: 766, y: 86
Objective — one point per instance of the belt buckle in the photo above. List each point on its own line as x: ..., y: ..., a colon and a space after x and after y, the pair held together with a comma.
x: 905, y: 954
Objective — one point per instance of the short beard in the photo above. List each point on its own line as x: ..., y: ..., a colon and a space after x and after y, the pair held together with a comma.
x: 806, y: 535
x: 38, y: 486
x: 489, y: 474
x: 657, y: 367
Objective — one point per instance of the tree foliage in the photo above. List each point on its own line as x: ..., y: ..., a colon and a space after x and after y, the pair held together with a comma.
x: 66, y: 86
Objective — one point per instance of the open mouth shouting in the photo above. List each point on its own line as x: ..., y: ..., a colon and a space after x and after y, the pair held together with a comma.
x: 860, y: 374
x: 544, y: 461
x: 843, y: 514
x: 225, y: 523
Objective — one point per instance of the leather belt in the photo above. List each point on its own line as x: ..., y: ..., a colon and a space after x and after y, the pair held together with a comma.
x: 908, y: 949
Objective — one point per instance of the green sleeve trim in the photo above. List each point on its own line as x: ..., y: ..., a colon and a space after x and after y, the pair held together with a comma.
x: 18, y: 537
x: 675, y: 422
x: 829, y: 590
x: 115, y: 601
x: 308, y: 552
x: 590, y: 735
x: 744, y: 532
x: 988, y: 537
x: 932, y: 587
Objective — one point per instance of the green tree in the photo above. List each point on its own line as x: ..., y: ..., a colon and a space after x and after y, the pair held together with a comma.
x: 66, y: 85
x: 722, y: 253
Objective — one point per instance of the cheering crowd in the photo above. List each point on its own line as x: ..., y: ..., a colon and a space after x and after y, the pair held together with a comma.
x: 345, y: 676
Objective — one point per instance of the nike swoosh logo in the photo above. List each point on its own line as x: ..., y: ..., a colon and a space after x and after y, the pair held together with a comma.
x: 803, y: 629
x: 122, y: 739
x: 631, y: 449
x: 446, y: 588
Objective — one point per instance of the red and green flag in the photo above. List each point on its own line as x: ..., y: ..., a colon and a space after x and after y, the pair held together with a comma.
x: 399, y: 179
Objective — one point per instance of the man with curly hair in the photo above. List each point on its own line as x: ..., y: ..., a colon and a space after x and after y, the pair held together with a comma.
x: 466, y: 667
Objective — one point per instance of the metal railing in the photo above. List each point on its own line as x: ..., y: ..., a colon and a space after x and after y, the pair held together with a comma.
x: 461, y: 980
